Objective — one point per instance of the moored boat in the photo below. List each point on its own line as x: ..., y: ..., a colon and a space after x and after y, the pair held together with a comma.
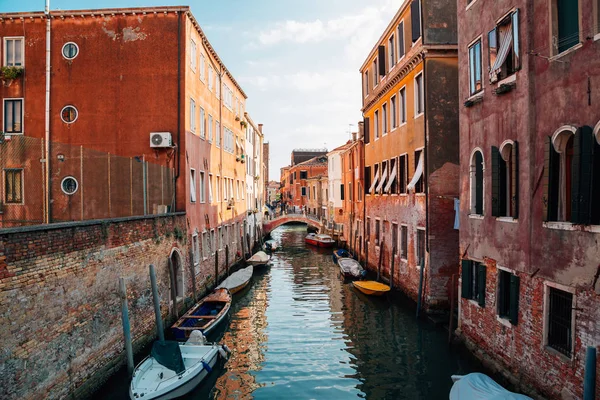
x: 238, y: 280
x: 339, y: 253
x: 350, y: 268
x: 258, y: 259
x: 371, y: 288
x: 174, y: 369
x: 271, y: 245
x: 319, y: 240
x: 205, y: 315
x: 477, y: 386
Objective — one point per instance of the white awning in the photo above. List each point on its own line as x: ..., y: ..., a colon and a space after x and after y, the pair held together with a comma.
x: 505, y: 46
x: 382, y: 181
x: 391, y: 180
x: 417, y: 175
x: 374, y: 182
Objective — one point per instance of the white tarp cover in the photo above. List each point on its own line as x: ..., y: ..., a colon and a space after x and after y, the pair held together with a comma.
x: 374, y: 182
x: 391, y: 180
x: 382, y: 181
x: 417, y: 175
x: 237, y: 278
x: 478, y: 386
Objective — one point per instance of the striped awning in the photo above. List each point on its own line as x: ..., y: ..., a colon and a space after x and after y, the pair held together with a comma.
x: 417, y: 175
x: 391, y: 180
x: 506, y: 41
x: 374, y: 182
x: 382, y: 181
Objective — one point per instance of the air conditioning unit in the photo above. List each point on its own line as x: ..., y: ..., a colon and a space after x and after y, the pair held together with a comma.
x: 160, y: 139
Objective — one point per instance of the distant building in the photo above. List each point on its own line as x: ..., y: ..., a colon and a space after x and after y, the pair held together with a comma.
x: 273, y: 192
x: 294, y: 181
x: 266, y: 163
x: 301, y: 155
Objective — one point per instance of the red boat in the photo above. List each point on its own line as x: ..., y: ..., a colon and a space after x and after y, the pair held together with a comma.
x: 319, y: 240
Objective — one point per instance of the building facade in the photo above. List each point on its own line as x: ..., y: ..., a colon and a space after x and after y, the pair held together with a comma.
x: 294, y: 190
x: 530, y: 168
x: 353, y: 205
x: 337, y: 190
x: 410, y: 87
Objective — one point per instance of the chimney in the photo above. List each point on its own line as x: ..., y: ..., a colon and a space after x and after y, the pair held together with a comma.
x: 354, y: 136
x: 260, y: 128
x: 361, y: 129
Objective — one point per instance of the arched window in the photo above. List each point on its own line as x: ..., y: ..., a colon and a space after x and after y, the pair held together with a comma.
x: 476, y: 178
x: 558, y: 174
x: 505, y: 175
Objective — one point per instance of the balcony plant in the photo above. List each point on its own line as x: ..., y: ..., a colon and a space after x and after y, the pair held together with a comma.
x: 8, y: 74
x: 243, y: 124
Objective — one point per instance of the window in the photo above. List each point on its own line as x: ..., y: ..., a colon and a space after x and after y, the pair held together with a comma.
x: 210, y: 78
x: 401, y: 40
x: 403, y: 173
x: 218, y: 188
x: 473, y: 281
x: 475, y: 82
x: 376, y: 124
x: 213, y: 243
x: 193, y: 55
x: 70, y: 50
x: 13, y: 115
x: 210, y: 190
x: 420, y: 246
x: 342, y: 191
x: 192, y: 115
x: 503, y: 43
x: 384, y: 120
x: 377, y: 232
x: 392, y: 184
x: 403, y: 105
x: 218, y: 133
x: 350, y: 191
x: 394, y: 111
x: 508, y: 296
x: 68, y: 114
x: 419, y: 95
x: 559, y: 320
x: 505, y: 175
x: 368, y: 229
x: 192, y: 185
x: 202, y: 67
x: 202, y: 123
x: 367, y: 179
x: 394, y: 238
x: 303, y: 174
x: 367, y: 83
x: 13, y: 51
x: 13, y: 186
x: 69, y: 185
x: 415, y: 19
x: 196, y: 248
x: 303, y: 190
x: 392, y: 52
x: 476, y: 178
x: 419, y: 172
x: 375, y: 80
x: 404, y: 242
x: 565, y: 25
x: 220, y: 238
x: 205, y: 245
x: 202, y: 188
x: 210, y: 128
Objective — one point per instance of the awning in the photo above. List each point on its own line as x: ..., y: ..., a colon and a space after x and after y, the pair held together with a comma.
x: 417, y: 175
x: 391, y: 180
x: 382, y: 181
x: 505, y: 46
x: 374, y: 182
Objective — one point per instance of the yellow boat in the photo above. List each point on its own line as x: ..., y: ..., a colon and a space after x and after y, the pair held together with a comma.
x: 371, y: 288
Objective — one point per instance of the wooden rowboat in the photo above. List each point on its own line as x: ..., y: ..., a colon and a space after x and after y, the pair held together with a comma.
x: 258, y: 259
x: 205, y: 315
x: 372, y: 288
x: 320, y: 240
x: 238, y: 280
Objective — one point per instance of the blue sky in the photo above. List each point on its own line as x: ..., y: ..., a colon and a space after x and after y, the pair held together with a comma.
x: 297, y: 60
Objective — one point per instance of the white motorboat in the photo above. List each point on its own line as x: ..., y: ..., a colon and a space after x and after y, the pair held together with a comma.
x: 478, y: 386
x: 271, y: 245
x: 238, y: 280
x: 174, y: 369
x: 260, y: 258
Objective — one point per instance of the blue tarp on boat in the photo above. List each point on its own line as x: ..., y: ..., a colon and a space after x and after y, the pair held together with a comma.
x: 478, y: 386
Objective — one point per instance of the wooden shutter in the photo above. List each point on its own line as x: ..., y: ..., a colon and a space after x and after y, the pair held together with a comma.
x: 496, y: 160
x: 478, y: 183
x: 581, y: 175
x: 342, y: 191
x: 514, y: 181
x: 514, y: 299
x: 492, y: 47
x: 466, y: 291
x: 401, y: 39
x: 381, y: 61
x: 516, y: 45
x: 366, y: 130
x: 550, y: 183
x: 481, y: 284
x: 595, y: 214
x: 415, y: 19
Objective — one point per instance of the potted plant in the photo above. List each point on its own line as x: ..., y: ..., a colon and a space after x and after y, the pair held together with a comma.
x: 10, y: 73
x: 243, y: 124
x: 237, y: 117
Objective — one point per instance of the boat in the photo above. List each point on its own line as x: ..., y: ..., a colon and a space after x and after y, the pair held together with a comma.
x: 174, y: 369
x: 203, y: 316
x: 339, y: 253
x: 372, y: 288
x: 271, y: 245
x: 258, y: 259
x: 238, y: 280
x: 351, y: 268
x: 477, y: 386
x: 319, y: 240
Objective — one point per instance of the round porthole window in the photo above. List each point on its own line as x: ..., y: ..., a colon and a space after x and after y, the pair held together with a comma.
x: 69, y: 185
x: 70, y: 50
x: 69, y: 114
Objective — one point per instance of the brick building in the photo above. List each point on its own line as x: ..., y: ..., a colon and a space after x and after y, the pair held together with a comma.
x: 530, y: 188
x: 410, y: 83
x: 294, y: 179
x: 353, y: 202
x: 337, y: 190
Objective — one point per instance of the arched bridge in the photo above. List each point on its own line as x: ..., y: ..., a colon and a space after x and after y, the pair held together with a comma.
x: 270, y: 225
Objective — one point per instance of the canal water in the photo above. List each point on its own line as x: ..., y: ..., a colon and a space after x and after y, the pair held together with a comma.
x: 300, y: 332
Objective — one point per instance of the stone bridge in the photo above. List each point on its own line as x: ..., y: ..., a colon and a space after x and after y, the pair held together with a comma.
x: 270, y: 225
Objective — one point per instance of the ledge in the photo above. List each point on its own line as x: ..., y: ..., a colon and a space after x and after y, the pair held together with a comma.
x: 476, y: 216
x: 566, y: 52
x: 507, y: 219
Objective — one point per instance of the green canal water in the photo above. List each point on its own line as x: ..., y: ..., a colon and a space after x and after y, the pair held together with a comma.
x: 300, y: 332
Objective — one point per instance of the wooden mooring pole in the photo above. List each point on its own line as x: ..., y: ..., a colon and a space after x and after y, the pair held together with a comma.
x: 193, y: 274
x: 227, y: 258
x: 216, y: 268
x: 422, y: 263
x: 156, y: 300
x: 392, y: 267
x: 367, y: 255
x: 126, y: 326
x: 173, y: 289
x: 452, y: 301
x: 381, y: 249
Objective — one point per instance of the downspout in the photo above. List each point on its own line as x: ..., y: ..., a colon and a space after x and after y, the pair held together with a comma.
x: 178, y: 106
x: 48, y: 216
x: 425, y: 176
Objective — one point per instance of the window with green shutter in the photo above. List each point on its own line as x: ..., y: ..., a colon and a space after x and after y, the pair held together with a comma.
x: 473, y: 276
x: 508, y: 296
x: 566, y: 21
x: 581, y: 175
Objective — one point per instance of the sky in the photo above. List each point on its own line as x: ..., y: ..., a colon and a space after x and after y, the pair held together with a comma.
x: 297, y: 60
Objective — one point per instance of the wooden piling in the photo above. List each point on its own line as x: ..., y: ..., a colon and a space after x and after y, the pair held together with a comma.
x: 392, y: 267
x: 452, y: 301
x: 173, y: 289
x: 420, y: 286
x: 381, y: 248
x: 193, y: 275
x: 126, y: 326
x: 216, y: 268
x: 156, y: 300
x: 227, y: 258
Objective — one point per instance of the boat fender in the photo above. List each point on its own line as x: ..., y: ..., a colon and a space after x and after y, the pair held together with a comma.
x: 223, y: 353
x: 226, y: 349
x: 206, y: 366
x: 363, y: 273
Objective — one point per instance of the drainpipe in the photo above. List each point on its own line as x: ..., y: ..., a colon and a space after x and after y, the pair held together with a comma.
x: 179, y: 17
x: 425, y: 172
x: 47, y: 217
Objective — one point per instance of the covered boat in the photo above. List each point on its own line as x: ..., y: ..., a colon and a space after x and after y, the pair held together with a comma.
x: 238, y: 280
x: 271, y: 245
x: 260, y: 258
x: 350, y: 268
x: 205, y: 315
x: 478, y: 386
x: 372, y: 288
x: 174, y: 369
x: 339, y: 253
x: 320, y: 240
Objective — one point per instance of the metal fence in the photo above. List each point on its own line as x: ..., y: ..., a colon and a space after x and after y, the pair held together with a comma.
x: 84, y: 184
